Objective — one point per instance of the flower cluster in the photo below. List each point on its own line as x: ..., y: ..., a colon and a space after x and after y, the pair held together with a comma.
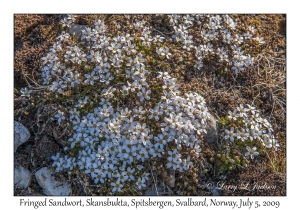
x: 125, y: 111
x: 111, y: 143
x: 249, y: 128
x: 137, y: 115
x: 163, y: 51
x: 214, y: 36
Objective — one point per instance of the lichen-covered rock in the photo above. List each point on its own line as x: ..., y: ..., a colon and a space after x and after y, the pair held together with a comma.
x: 21, y: 135
x: 211, y: 129
x: 50, y: 184
x: 22, y: 177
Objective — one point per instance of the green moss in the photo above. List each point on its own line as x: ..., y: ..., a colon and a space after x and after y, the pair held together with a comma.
x: 223, y: 121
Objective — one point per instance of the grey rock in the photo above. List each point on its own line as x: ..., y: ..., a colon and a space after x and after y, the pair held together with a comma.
x: 76, y: 29
x: 216, y: 191
x: 51, y: 186
x: 212, y: 130
x: 154, y: 191
x: 21, y: 134
x: 22, y: 177
x: 170, y: 178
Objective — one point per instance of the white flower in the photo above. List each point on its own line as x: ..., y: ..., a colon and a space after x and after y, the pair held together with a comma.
x: 90, y: 78
x: 116, y: 186
x: 242, y: 135
x: 163, y: 75
x: 87, y: 34
x: 242, y: 112
x: 65, y: 22
x: 158, y: 38
x: 267, y: 141
x: 60, y: 116
x: 115, y: 47
x: 56, y: 159
x: 140, y: 167
x: 251, y: 152
x: 163, y: 51
x: 156, y: 152
x: 146, y: 40
x: 230, y: 134
x: 73, y: 141
x: 123, y: 177
x: 174, y: 155
x: 139, y: 60
x: 72, y: 17
x: 139, y: 112
x: 25, y: 92
x: 160, y: 141
x: 130, y: 173
x: 48, y: 58
x: 188, y: 20
x: 140, y: 184
x: 155, y: 113
x: 232, y: 115
x: 187, y: 163
x: 172, y: 164
x: 275, y: 143
x: 251, y: 109
x: 144, y: 94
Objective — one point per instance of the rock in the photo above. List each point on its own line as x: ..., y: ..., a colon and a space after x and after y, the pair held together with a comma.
x: 76, y: 29
x: 216, y: 191
x: 212, y: 130
x: 22, y: 177
x: 21, y: 135
x: 154, y: 191
x: 169, y: 177
x: 51, y: 186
